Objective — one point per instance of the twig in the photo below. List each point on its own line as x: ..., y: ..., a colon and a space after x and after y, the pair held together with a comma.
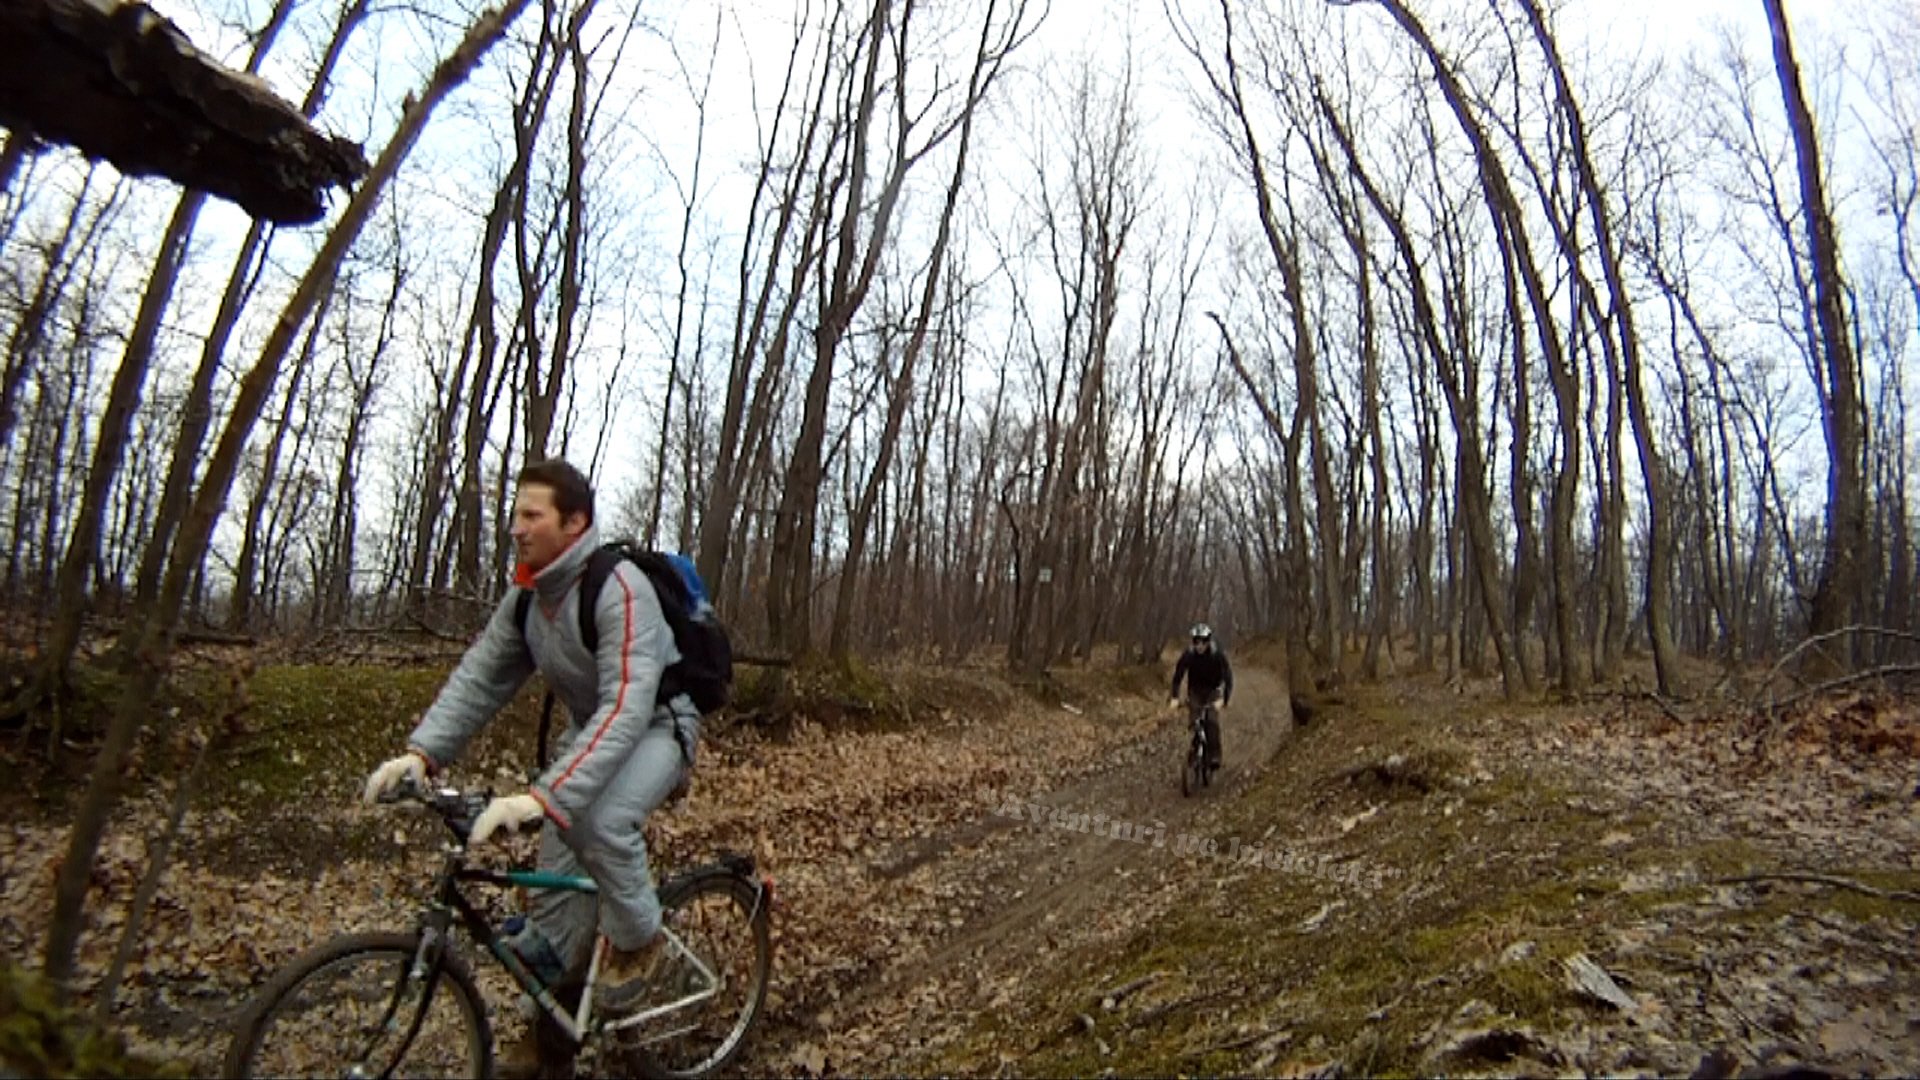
x: 1845, y: 931
x: 1110, y: 998
x: 1819, y: 639
x: 431, y: 630
x: 1159, y: 1011
x: 1665, y: 706
x: 1844, y: 680
x: 214, y: 637
x: 1793, y: 653
x: 1713, y: 980
x: 1240, y: 1043
x: 1822, y: 879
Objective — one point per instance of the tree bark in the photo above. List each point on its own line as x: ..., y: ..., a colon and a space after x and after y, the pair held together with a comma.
x: 1510, y: 226
x: 843, y: 290
x: 1653, y: 471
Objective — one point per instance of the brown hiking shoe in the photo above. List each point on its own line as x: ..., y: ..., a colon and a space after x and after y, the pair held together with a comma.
x: 625, y: 976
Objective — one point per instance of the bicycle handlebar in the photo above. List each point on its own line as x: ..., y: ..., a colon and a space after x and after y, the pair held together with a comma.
x: 458, y: 809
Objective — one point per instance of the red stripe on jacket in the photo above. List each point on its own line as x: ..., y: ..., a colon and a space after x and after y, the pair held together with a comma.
x: 626, y: 679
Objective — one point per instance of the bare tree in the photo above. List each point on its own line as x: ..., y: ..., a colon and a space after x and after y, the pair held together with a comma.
x: 156, y: 635
x: 123, y: 398
x: 1652, y: 469
x: 844, y: 282
x: 1837, y: 593
x: 1471, y: 475
x: 995, y: 42
x: 763, y: 320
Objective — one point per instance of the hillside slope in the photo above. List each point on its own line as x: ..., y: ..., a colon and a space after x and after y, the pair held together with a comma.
x: 999, y: 880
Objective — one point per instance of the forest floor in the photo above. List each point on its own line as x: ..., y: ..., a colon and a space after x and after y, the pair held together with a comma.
x: 995, y: 880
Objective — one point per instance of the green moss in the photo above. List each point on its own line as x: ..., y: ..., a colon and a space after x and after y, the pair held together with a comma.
x: 41, y: 1038
x: 334, y: 721
x: 832, y: 693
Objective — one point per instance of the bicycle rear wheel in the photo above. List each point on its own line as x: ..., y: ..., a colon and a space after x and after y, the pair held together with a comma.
x: 353, y: 1008
x: 722, y: 919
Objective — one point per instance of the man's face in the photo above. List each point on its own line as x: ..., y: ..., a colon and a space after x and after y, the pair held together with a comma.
x: 540, y: 533
x: 1201, y: 644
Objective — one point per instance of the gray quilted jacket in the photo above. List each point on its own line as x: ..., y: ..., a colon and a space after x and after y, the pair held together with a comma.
x: 609, y: 697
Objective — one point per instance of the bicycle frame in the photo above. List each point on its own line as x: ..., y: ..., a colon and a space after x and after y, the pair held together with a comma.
x: 449, y: 901
x: 1197, y: 713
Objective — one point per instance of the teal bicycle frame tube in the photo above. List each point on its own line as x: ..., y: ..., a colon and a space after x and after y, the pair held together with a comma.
x: 541, y: 879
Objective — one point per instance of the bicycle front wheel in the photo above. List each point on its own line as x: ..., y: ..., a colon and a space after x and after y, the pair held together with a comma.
x: 722, y: 919
x: 353, y: 1008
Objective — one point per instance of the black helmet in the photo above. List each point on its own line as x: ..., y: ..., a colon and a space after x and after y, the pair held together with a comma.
x: 1202, y: 632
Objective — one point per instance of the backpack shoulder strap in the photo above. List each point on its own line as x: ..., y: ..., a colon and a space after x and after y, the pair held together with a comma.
x: 522, y: 605
x: 600, y: 566
x: 522, y: 608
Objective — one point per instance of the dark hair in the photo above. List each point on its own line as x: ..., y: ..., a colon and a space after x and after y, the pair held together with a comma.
x: 572, y: 494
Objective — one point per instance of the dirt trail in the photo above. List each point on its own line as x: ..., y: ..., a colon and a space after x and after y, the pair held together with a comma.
x: 1112, y: 922
x: 1042, y: 876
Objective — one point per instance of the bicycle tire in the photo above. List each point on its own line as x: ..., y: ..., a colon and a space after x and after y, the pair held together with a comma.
x: 310, y: 1021
x: 723, y: 918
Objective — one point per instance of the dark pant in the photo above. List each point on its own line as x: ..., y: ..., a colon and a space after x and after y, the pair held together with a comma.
x: 1210, y: 720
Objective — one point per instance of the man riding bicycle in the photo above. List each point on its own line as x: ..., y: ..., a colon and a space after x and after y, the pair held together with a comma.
x: 1209, y: 680
x: 625, y: 753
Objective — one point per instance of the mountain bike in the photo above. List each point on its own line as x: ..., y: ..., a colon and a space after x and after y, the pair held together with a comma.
x: 406, y: 1003
x: 1195, y: 771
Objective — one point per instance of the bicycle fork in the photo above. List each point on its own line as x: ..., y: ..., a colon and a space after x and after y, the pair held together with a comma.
x: 422, y: 971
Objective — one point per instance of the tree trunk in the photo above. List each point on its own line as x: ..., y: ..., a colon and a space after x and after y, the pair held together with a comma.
x: 196, y: 412
x: 1838, y: 591
x: 1475, y: 501
x: 156, y: 634
x: 741, y: 423
x: 253, y: 538
x: 1653, y: 472
x: 123, y: 399
x: 843, y: 291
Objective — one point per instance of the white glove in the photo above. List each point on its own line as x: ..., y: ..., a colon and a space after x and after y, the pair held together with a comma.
x: 504, y: 815
x: 408, y: 766
x: 1172, y: 704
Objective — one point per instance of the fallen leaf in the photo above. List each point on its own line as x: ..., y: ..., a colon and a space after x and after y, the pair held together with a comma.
x: 1588, y: 978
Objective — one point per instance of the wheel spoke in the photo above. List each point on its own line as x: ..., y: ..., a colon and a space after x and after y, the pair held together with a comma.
x: 720, y: 921
x: 353, y: 1009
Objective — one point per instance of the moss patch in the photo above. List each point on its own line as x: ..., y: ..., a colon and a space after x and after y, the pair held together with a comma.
x: 40, y: 1038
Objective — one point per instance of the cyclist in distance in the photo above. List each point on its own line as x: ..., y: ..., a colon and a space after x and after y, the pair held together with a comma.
x: 1209, y: 679
x: 623, y: 755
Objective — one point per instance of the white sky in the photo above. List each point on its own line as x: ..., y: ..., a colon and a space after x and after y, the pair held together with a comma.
x: 1592, y: 30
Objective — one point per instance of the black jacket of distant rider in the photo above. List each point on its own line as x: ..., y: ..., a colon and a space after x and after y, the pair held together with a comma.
x: 1206, y: 673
